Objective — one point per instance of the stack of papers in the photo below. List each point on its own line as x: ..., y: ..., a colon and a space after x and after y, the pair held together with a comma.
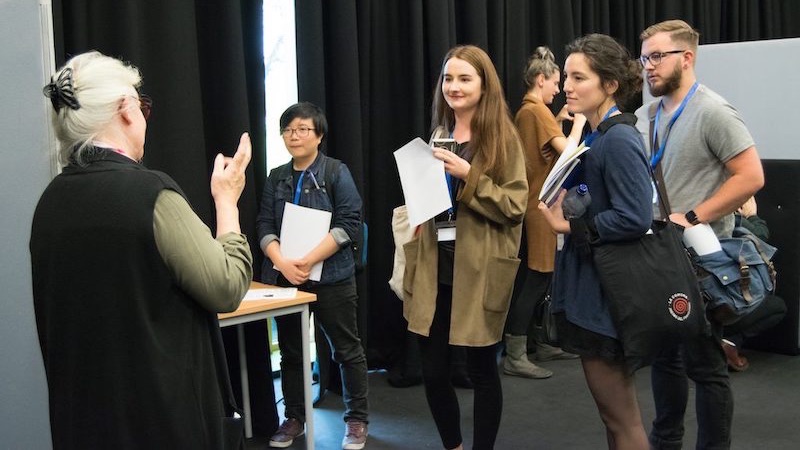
x: 565, y: 165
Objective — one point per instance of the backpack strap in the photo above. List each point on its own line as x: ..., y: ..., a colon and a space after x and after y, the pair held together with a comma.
x: 330, y: 175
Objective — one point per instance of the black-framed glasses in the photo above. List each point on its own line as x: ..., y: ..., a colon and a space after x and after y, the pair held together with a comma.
x: 146, y: 105
x: 301, y: 132
x: 655, y: 58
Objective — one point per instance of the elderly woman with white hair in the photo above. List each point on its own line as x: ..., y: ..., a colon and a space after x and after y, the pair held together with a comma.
x: 127, y: 280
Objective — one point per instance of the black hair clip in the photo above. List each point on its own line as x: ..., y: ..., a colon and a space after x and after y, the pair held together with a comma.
x: 61, y: 91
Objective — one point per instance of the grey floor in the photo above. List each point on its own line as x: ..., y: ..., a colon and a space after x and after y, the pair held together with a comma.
x: 558, y: 413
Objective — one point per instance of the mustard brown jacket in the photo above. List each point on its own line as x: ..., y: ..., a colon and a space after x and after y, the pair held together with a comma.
x: 488, y: 230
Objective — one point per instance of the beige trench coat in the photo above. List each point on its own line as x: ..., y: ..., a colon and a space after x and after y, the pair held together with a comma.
x: 488, y: 231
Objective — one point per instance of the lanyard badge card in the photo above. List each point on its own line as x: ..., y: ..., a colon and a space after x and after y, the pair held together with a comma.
x: 446, y: 229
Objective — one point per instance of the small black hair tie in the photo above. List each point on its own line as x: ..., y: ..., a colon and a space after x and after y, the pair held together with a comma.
x: 61, y: 91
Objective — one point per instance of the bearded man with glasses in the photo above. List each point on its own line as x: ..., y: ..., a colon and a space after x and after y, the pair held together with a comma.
x: 710, y: 167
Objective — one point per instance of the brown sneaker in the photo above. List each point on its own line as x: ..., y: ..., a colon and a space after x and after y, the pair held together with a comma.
x: 355, y: 435
x: 287, y: 432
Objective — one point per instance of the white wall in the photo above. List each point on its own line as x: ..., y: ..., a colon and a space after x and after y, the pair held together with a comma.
x: 761, y: 79
x: 25, y: 169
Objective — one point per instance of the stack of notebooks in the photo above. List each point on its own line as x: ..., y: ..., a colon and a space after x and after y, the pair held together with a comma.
x: 561, y: 176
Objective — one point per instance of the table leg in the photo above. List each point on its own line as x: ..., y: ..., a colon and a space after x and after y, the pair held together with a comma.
x: 309, y: 405
x: 248, y: 419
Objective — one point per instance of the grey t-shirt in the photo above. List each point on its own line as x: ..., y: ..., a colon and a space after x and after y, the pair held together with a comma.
x: 707, y: 135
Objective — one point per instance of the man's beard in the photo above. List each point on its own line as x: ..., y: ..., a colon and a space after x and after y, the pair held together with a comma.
x: 670, y: 85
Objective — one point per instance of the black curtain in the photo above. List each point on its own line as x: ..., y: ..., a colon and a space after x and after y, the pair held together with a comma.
x: 371, y: 65
x: 202, y: 62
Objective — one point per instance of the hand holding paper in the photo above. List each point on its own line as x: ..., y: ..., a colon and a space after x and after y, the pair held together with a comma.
x: 302, y: 230
x: 565, y: 165
x: 423, y: 180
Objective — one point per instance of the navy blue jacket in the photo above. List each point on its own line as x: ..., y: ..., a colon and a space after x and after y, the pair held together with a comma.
x: 617, y: 173
x: 315, y: 193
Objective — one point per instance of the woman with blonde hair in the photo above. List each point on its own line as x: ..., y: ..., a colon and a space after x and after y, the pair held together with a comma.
x: 461, y: 265
x: 543, y: 140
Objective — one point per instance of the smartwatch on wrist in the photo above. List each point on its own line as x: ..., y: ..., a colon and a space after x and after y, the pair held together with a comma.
x: 691, y: 217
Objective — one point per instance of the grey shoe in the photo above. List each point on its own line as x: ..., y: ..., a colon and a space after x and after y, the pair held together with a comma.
x: 286, y: 434
x: 355, y: 435
x: 517, y: 363
x: 546, y: 352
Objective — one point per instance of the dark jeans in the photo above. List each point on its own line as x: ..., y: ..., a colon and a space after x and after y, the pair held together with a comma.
x: 442, y: 400
x: 532, y: 293
x: 702, y: 360
x: 335, y: 310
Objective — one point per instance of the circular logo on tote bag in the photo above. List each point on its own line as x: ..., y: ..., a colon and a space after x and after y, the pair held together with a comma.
x: 679, y: 306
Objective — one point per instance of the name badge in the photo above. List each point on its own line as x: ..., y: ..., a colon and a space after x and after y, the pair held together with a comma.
x: 445, y: 231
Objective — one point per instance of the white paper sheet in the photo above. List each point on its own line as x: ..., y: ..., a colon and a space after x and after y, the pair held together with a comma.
x: 303, y: 229
x: 423, y: 180
x: 270, y: 294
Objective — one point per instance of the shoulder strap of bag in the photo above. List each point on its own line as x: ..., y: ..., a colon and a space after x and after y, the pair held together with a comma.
x: 329, y: 175
x: 656, y: 172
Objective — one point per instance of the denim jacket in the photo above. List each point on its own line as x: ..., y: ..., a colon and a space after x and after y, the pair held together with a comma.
x: 314, y: 193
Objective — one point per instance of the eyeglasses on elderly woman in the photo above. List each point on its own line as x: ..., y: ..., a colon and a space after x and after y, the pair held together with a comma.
x: 146, y: 105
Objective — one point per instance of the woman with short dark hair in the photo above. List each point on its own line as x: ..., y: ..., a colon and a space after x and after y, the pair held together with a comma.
x: 315, y: 180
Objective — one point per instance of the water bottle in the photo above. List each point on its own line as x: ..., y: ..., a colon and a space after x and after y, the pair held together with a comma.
x: 576, y: 201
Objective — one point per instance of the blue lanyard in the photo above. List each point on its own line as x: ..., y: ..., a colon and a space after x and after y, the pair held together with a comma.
x: 299, y: 187
x: 450, y: 188
x: 590, y: 138
x: 660, y: 153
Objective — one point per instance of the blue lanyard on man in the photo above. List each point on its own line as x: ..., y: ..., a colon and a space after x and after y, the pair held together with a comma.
x: 660, y: 153
x: 590, y: 138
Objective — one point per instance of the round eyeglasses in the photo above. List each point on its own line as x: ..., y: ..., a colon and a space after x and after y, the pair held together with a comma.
x: 301, y: 132
x: 146, y: 105
x: 655, y: 58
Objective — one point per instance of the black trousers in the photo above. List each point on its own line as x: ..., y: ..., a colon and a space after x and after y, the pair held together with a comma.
x: 439, y: 391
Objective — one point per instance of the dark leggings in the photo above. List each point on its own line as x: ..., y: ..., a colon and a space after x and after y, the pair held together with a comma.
x: 441, y: 396
x: 523, y: 304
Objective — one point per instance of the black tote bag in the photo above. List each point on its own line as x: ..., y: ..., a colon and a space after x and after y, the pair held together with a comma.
x: 652, y: 290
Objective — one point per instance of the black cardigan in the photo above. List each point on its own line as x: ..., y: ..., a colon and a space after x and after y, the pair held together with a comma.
x: 129, y: 357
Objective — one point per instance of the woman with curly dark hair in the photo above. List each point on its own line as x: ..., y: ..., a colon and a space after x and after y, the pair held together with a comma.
x: 600, y: 76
